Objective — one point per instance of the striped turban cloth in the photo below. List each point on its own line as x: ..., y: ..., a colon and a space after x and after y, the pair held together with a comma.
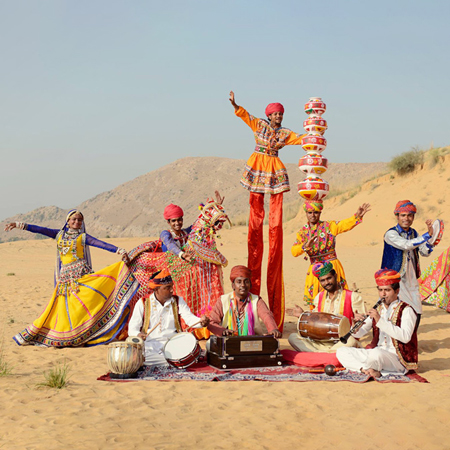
x: 386, y: 277
x: 322, y: 269
x: 160, y: 278
x: 405, y: 206
x: 310, y: 206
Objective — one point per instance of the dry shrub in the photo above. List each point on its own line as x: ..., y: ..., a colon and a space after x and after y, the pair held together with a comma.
x: 407, y: 161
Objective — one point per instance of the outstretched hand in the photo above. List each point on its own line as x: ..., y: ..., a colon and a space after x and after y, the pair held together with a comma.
x: 296, y: 311
x: 363, y: 209
x: 236, y: 107
x: 429, y: 224
x: 219, y: 198
x: 10, y: 226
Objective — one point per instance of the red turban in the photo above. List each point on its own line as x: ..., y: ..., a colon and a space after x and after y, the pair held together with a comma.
x: 240, y: 271
x: 405, y: 206
x: 160, y: 279
x: 274, y: 107
x: 172, y: 212
x: 386, y: 277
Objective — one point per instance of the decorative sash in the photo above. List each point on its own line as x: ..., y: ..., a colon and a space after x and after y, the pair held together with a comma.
x: 148, y: 311
x: 266, y: 151
x: 345, y: 303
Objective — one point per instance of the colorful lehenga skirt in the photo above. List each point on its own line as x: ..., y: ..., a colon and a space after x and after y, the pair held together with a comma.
x: 93, y: 313
x: 434, y: 283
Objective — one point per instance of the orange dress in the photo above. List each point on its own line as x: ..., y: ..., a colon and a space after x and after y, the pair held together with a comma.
x: 264, y: 172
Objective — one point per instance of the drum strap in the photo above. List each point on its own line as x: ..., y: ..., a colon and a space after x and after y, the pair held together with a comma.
x: 148, y: 311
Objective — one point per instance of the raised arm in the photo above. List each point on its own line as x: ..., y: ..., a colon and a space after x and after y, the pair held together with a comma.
x: 294, y: 139
x: 94, y: 242
x: 50, y: 232
x: 393, y: 238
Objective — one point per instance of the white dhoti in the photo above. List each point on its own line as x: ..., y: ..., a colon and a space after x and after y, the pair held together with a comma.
x: 377, y: 358
x: 302, y: 344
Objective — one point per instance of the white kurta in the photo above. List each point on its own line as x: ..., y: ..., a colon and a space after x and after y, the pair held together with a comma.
x: 154, y: 344
x: 302, y: 344
x: 384, y: 356
x: 409, y: 286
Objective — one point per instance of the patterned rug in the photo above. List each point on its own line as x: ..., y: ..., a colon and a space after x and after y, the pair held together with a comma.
x: 204, y: 372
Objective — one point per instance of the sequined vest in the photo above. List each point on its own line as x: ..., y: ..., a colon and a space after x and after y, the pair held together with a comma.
x: 396, y: 259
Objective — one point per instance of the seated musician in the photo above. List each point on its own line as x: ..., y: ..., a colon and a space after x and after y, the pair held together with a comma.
x: 333, y: 300
x: 156, y: 318
x: 393, y: 349
x: 240, y: 312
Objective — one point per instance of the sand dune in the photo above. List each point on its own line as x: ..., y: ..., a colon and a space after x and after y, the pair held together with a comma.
x: 90, y: 414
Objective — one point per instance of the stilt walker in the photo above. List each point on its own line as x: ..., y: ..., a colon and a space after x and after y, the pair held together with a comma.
x: 264, y: 173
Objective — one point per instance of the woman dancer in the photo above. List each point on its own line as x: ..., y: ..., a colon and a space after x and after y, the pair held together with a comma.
x: 86, y: 307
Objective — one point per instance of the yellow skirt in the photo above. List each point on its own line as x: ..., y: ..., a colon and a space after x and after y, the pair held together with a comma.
x: 313, y: 287
x: 92, y: 314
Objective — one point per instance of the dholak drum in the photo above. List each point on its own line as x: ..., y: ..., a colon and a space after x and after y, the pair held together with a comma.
x: 438, y: 232
x: 320, y: 326
x: 124, y: 359
x: 182, y: 350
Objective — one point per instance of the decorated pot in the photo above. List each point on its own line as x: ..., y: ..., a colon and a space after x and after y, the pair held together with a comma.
x: 313, y: 188
x: 315, y: 125
x: 314, y: 143
x: 313, y: 163
x: 315, y: 105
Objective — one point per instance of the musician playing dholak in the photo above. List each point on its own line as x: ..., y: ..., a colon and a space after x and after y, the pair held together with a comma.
x: 333, y: 300
x: 240, y: 312
x: 156, y: 318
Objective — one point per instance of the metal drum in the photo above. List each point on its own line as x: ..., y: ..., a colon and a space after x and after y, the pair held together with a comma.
x: 125, y: 358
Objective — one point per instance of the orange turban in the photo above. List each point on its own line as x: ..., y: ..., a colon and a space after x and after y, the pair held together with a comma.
x: 172, y: 212
x: 274, y: 107
x: 240, y: 271
x: 405, y: 206
x: 160, y: 279
x: 386, y: 277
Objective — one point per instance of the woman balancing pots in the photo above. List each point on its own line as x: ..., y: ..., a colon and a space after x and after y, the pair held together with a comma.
x: 86, y: 308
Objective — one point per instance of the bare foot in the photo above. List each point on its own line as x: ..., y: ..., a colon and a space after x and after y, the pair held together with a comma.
x: 372, y: 372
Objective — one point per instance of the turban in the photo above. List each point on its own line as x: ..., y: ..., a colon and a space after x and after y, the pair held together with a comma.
x: 405, y: 206
x: 386, y: 277
x: 172, y: 212
x: 160, y: 278
x: 322, y: 269
x: 240, y: 271
x: 274, y: 107
x: 310, y: 206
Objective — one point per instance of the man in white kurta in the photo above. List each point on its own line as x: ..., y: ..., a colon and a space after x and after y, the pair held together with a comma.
x: 162, y: 323
x: 401, y: 250
x: 332, y: 300
x: 384, y: 358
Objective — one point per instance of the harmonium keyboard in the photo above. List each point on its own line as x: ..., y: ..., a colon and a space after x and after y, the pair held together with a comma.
x: 237, y: 352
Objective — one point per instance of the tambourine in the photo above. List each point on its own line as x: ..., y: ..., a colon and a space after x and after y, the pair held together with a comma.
x: 438, y: 231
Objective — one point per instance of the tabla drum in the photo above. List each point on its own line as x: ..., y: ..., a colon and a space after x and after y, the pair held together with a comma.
x: 135, y: 340
x: 125, y: 358
x: 438, y: 232
x: 182, y: 350
x: 319, y: 326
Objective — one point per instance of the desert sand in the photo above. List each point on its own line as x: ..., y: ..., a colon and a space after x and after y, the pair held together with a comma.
x: 91, y: 414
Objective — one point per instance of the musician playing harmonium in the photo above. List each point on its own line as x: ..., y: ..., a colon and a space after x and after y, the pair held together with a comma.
x: 156, y: 318
x: 240, y: 312
x: 393, y: 349
x: 333, y: 299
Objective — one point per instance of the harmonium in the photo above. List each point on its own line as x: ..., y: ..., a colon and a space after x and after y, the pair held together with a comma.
x: 237, y: 352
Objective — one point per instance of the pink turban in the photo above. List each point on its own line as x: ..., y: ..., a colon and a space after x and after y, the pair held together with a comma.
x: 310, y: 206
x: 405, y: 206
x: 274, y: 107
x: 240, y: 271
x: 386, y: 277
x: 322, y: 269
x: 172, y: 212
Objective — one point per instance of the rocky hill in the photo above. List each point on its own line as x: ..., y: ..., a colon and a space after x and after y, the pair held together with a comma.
x: 135, y: 208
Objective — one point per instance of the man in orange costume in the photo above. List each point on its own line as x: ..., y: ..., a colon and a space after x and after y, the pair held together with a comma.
x: 265, y: 174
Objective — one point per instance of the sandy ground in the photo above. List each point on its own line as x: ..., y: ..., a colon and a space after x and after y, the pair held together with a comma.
x: 91, y: 414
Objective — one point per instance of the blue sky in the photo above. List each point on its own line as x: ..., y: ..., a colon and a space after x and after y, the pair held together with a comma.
x: 95, y: 93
